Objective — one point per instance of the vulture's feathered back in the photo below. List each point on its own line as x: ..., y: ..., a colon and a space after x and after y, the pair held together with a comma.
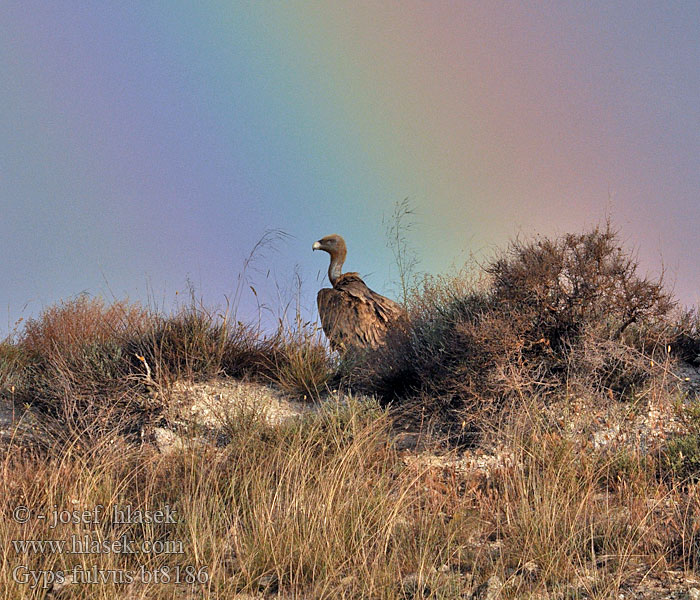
x: 352, y: 315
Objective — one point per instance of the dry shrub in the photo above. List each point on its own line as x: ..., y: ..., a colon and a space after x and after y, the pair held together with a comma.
x: 69, y: 325
x: 686, y: 342
x: 247, y: 353
x: 76, y: 367
x: 96, y: 367
x: 601, y: 366
x: 196, y: 343
x: 576, y: 280
x: 544, y: 311
x: 12, y: 361
x: 189, y: 344
x: 301, y: 363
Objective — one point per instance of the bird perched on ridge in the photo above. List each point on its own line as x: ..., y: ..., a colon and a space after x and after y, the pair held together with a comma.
x: 352, y: 315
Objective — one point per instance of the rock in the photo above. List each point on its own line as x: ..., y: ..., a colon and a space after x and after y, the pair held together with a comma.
x: 412, y: 586
x: 603, y: 437
x: 490, y: 590
x: 268, y: 583
x: 166, y: 440
x: 59, y: 590
x: 530, y: 570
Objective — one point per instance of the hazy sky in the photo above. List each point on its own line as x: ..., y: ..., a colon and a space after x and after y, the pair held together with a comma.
x: 144, y: 145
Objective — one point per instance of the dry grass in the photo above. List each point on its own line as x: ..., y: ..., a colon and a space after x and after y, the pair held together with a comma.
x: 327, y: 505
x: 302, y: 365
x: 322, y: 507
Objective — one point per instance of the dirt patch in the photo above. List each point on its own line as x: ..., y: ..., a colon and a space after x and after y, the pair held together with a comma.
x: 209, y: 403
x: 206, y: 408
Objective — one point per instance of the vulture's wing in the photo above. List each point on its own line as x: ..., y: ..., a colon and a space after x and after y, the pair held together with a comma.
x: 352, y: 315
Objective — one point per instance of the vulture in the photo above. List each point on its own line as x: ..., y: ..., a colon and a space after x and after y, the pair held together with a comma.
x: 352, y: 315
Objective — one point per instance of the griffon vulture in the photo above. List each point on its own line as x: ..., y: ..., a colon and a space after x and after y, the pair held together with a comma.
x: 352, y: 315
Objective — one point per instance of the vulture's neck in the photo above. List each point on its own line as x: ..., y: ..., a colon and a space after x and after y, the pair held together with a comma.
x: 334, y: 270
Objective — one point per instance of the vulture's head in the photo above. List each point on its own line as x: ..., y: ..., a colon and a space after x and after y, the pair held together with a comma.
x: 333, y: 244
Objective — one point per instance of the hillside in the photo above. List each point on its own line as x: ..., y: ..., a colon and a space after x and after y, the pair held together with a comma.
x: 533, y: 431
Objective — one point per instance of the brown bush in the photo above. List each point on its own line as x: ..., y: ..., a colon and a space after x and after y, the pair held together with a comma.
x: 75, y: 366
x: 93, y: 367
x: 575, y: 281
x: 12, y: 360
x: 546, y: 310
x: 686, y: 339
x: 301, y: 364
x: 189, y: 344
x: 84, y: 320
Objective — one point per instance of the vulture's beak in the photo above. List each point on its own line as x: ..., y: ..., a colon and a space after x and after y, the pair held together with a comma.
x: 316, y: 246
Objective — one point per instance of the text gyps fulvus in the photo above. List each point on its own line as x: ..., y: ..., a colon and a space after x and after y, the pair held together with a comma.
x: 352, y: 315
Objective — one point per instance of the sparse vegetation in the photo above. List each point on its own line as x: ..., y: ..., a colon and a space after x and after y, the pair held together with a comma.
x: 547, y: 317
x: 554, y: 367
x: 681, y: 457
x: 398, y: 227
x: 302, y: 365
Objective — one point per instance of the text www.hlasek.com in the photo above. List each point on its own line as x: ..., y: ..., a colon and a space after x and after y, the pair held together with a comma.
x: 86, y: 544
x: 93, y: 575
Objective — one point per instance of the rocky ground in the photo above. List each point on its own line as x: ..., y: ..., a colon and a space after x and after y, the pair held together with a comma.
x: 205, y: 409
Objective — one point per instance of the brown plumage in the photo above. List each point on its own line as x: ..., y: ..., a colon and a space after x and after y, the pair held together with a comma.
x: 352, y: 315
